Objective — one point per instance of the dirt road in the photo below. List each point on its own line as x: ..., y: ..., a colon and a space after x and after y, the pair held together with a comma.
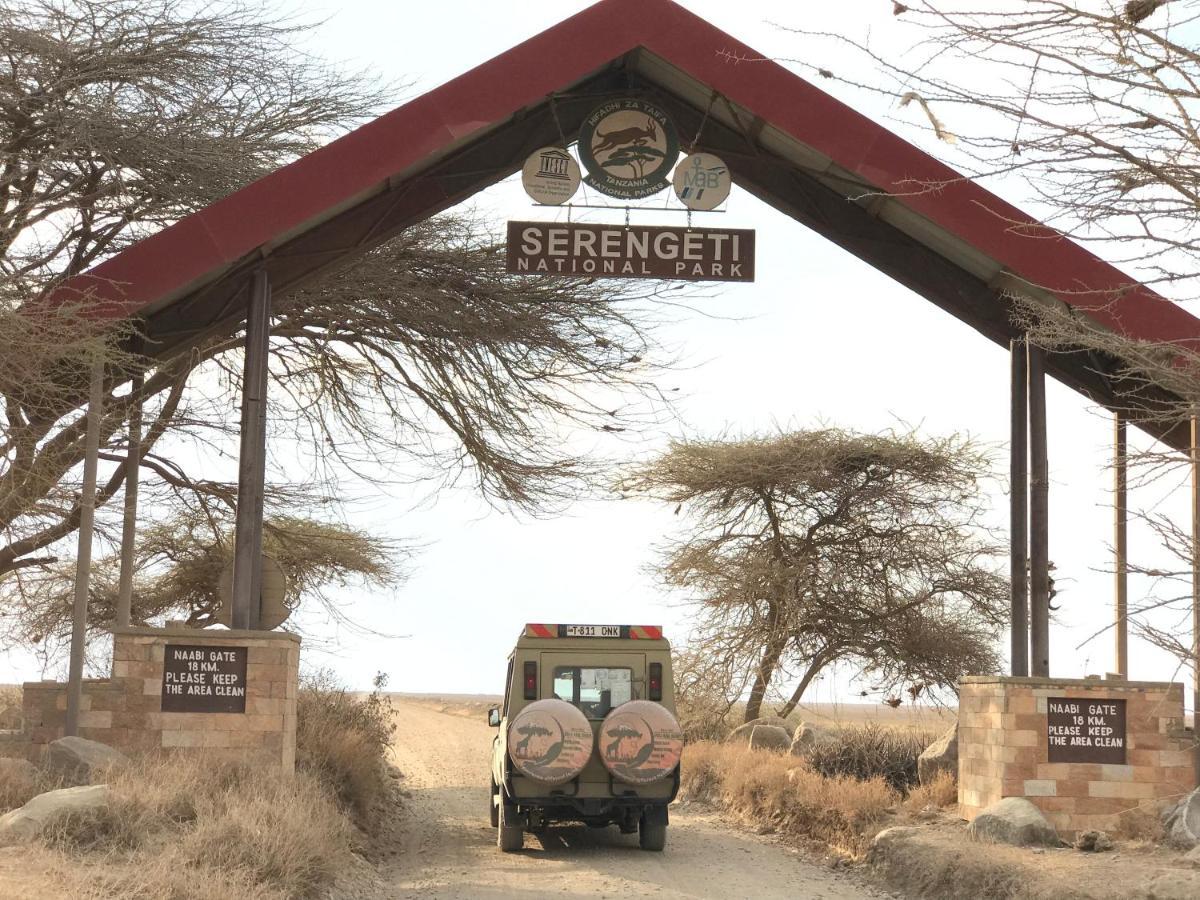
x: 449, y: 850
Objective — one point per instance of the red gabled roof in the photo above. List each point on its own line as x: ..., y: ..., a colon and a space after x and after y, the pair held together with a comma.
x: 169, y: 265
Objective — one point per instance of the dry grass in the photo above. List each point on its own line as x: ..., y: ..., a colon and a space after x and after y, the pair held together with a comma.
x: 18, y: 786
x: 871, y: 751
x: 783, y: 791
x: 343, y: 740
x: 1142, y: 823
x: 250, y: 832
x: 941, y: 792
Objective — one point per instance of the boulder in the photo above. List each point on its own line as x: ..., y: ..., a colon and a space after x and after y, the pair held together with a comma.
x: 769, y: 737
x: 741, y: 734
x: 807, y: 735
x: 27, y: 822
x: 82, y: 760
x: 1175, y: 884
x: 940, y: 756
x: 1182, y: 822
x: 1014, y: 820
x: 1093, y: 842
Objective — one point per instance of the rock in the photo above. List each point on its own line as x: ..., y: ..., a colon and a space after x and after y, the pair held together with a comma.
x: 1174, y: 884
x: 886, y: 841
x: 26, y: 822
x: 940, y: 756
x: 769, y: 737
x: 742, y: 732
x: 1182, y: 822
x: 1093, y: 842
x: 13, y: 770
x: 1013, y: 820
x: 807, y: 735
x: 82, y: 760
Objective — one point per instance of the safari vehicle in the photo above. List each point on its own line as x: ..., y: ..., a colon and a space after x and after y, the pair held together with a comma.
x: 587, y: 733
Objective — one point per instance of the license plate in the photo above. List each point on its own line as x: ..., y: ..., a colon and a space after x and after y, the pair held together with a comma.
x: 592, y: 631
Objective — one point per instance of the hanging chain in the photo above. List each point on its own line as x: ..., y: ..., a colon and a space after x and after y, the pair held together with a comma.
x: 712, y: 98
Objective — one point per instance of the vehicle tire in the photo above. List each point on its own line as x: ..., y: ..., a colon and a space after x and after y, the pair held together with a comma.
x: 509, y: 838
x: 493, y: 806
x: 652, y: 833
x: 550, y: 741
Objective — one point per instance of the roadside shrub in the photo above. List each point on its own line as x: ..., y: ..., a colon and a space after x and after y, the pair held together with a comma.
x: 761, y: 787
x: 941, y: 791
x: 18, y: 785
x: 870, y: 751
x: 343, y: 741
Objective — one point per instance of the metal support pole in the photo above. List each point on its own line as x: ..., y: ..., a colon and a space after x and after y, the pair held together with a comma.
x: 247, y: 560
x: 1120, y: 545
x: 1195, y: 455
x: 129, y: 525
x: 83, y: 556
x: 1039, y: 515
x: 1019, y: 510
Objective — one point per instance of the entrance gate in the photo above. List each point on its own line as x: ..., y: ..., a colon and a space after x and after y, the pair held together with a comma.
x: 798, y: 149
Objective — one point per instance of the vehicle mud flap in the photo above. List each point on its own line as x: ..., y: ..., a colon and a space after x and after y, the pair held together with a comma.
x: 494, y: 805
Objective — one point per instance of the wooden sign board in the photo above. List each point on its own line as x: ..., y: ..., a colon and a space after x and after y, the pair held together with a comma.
x: 635, y: 251
x: 204, y: 679
x: 1085, y: 731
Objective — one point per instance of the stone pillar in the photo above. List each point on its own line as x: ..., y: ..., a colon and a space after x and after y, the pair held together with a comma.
x: 1004, y: 747
x: 127, y: 711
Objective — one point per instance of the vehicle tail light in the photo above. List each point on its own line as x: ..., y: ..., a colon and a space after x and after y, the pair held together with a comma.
x: 530, y: 681
x: 655, y: 686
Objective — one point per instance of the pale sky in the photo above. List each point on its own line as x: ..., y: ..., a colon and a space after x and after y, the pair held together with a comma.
x: 820, y: 338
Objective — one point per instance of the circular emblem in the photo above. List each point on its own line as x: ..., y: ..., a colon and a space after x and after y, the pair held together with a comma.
x: 551, y: 176
x: 550, y: 740
x: 702, y: 181
x: 628, y: 146
x: 640, y: 742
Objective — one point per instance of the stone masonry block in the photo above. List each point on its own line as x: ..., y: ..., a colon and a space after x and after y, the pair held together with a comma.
x: 1126, y: 790
x: 1040, y: 787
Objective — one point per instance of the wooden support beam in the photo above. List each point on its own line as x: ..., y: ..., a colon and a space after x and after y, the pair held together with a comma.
x: 1039, y: 520
x: 1019, y: 509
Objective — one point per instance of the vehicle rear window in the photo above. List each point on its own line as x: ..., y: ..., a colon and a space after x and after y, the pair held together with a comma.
x: 594, y: 690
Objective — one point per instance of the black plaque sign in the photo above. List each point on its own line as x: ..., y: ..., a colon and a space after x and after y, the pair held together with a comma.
x: 1085, y: 731
x: 204, y: 679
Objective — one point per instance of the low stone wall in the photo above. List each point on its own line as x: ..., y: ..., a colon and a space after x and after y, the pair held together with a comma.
x: 126, y: 710
x: 1004, y: 749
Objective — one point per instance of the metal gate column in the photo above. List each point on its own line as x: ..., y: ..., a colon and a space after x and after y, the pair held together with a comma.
x: 1120, y: 545
x: 83, y: 556
x: 1019, y: 510
x: 1039, y: 515
x: 247, y: 560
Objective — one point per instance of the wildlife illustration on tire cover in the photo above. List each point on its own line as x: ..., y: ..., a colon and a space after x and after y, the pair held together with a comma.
x: 640, y: 742
x: 550, y: 741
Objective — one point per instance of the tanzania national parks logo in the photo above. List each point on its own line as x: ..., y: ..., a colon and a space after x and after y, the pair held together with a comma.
x: 628, y: 147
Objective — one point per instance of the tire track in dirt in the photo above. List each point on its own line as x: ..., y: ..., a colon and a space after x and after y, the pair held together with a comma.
x: 449, y: 849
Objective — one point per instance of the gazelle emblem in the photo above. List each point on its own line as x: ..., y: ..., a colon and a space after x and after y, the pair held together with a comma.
x: 626, y: 136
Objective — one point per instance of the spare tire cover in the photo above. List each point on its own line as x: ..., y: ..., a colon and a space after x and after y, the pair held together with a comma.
x: 640, y: 742
x: 550, y: 740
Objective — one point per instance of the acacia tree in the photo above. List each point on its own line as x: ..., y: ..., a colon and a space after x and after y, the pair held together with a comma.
x: 1088, y: 112
x: 819, y: 547
x: 118, y: 117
